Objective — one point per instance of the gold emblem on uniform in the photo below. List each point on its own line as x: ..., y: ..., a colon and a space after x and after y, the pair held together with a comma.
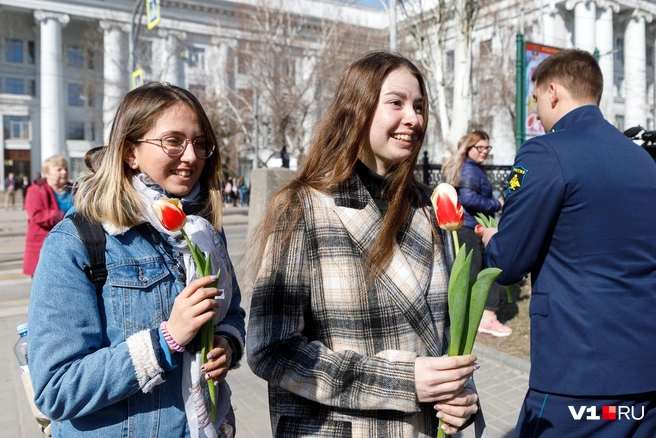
x: 516, y: 180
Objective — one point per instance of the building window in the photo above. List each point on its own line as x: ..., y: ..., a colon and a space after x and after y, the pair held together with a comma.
x: 14, y: 51
x: 619, y: 49
x: 30, y: 52
x: 91, y: 101
x: 15, y: 86
x: 75, y: 131
x: 197, y: 57
x: 619, y: 86
x: 75, y: 95
x: 74, y: 57
x: 77, y: 167
x: 619, y: 122
x: 91, y: 59
x: 16, y: 127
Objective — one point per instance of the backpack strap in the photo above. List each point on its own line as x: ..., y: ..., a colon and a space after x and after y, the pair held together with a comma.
x: 470, y: 186
x: 93, y: 238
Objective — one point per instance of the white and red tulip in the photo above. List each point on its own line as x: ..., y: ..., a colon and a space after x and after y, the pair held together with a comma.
x: 450, y: 214
x: 170, y: 214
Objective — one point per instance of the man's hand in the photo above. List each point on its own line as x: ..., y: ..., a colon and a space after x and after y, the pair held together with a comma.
x: 487, y: 234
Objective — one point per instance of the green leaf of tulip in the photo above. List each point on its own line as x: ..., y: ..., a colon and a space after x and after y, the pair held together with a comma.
x: 480, y: 289
x: 459, y: 299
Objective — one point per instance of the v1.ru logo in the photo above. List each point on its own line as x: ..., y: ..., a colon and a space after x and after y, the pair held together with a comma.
x: 607, y: 413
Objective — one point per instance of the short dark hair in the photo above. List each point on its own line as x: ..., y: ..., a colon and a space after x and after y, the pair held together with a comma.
x: 576, y: 70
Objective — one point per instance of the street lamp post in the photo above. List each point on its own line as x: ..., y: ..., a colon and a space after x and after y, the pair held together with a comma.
x: 135, y: 28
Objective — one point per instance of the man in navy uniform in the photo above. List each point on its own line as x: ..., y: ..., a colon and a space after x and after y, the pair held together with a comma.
x: 580, y: 217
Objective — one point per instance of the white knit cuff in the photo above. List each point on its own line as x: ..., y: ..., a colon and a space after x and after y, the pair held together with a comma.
x: 146, y: 367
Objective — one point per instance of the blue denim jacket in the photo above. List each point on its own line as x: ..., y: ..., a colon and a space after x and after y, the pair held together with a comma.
x: 96, y: 362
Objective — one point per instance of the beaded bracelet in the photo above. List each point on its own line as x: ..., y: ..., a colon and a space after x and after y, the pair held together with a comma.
x: 169, y: 339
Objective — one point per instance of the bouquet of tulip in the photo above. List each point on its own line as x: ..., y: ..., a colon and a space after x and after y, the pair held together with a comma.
x: 172, y: 217
x: 490, y: 222
x: 466, y: 299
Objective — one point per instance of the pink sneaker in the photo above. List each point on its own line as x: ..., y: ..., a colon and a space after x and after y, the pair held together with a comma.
x: 495, y: 328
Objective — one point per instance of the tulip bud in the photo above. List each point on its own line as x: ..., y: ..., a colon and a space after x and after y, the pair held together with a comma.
x: 170, y: 214
x: 450, y: 214
x: 478, y: 229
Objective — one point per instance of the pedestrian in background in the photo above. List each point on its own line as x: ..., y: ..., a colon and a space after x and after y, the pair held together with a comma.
x: 348, y: 320
x: 10, y: 191
x: 25, y: 183
x: 47, y: 201
x: 463, y: 171
x: 579, y: 216
x: 124, y: 361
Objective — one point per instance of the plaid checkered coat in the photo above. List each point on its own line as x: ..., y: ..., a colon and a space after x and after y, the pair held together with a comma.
x: 339, y: 353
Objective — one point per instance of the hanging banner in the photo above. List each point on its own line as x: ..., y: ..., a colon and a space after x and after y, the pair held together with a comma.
x: 535, y: 54
x: 152, y: 13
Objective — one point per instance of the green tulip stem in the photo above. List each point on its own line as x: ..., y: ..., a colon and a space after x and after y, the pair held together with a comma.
x: 204, y: 267
x: 455, y: 240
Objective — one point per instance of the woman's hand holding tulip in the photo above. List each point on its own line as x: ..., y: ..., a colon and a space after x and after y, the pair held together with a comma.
x: 456, y: 411
x: 442, y: 378
x: 218, y: 364
x: 191, y: 309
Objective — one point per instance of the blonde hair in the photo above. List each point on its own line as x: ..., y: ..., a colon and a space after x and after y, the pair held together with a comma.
x: 338, y: 141
x: 453, y: 166
x: 54, y: 161
x: 107, y: 195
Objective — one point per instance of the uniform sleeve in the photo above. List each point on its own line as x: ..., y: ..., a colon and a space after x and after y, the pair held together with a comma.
x: 72, y: 372
x: 530, y: 212
x: 280, y: 352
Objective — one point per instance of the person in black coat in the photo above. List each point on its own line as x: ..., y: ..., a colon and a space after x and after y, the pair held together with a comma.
x: 579, y: 216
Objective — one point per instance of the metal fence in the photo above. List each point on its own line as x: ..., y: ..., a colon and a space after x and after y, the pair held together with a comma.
x: 431, y: 175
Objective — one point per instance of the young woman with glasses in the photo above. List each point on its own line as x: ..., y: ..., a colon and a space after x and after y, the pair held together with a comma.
x: 126, y: 361
x: 463, y: 171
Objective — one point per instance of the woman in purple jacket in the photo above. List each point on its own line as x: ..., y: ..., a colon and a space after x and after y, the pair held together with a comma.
x: 463, y: 171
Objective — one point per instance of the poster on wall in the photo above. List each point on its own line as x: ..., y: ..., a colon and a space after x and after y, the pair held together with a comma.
x: 535, y: 54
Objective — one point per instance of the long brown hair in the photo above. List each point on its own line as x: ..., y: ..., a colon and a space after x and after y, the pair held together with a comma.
x: 453, y: 166
x: 337, y: 143
x: 107, y: 195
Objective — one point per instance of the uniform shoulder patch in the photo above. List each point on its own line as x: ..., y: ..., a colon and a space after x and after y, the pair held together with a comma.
x: 516, y: 179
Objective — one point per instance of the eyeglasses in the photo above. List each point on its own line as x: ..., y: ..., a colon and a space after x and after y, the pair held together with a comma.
x: 174, y: 145
x: 482, y: 149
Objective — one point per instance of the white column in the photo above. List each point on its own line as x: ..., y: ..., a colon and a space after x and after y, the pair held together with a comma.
x: 170, y: 62
x: 116, y: 80
x: 548, y: 23
x: 635, y: 70
x: 52, y: 87
x: 605, y: 45
x: 585, y: 16
x: 219, y: 65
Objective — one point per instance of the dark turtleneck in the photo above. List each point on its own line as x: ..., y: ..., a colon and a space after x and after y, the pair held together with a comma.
x: 374, y: 185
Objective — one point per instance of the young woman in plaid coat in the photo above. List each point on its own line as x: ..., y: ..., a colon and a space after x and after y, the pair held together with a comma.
x: 348, y: 318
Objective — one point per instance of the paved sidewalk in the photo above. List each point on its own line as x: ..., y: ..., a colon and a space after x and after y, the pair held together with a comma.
x: 501, y: 381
